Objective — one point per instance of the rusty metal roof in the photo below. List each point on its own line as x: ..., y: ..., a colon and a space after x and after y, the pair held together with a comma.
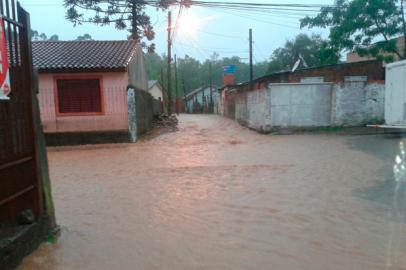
x: 62, y: 56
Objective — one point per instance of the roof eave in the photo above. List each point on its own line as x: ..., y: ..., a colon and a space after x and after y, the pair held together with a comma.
x: 81, y: 70
x: 131, y: 56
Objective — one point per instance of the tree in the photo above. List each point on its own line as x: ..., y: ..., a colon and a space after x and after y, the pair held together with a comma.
x: 357, y: 25
x: 42, y: 36
x: 35, y: 35
x: 311, y: 50
x: 124, y: 14
x: 54, y: 38
x: 195, y: 73
x: 191, y: 70
x: 261, y: 68
x: 153, y: 64
x: 84, y: 37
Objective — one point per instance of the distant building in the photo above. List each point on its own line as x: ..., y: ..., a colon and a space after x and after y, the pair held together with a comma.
x: 354, y: 57
x: 156, y: 90
x: 199, y: 100
x: 83, y: 86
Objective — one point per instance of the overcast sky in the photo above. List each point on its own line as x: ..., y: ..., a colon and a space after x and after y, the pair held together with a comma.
x: 212, y: 30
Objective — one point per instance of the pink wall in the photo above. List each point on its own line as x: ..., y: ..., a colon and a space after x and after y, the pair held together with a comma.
x: 115, y: 115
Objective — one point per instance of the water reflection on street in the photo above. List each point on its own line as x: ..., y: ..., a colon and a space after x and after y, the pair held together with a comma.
x: 217, y: 196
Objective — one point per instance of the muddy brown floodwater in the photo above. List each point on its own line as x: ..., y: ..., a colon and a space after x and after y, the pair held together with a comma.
x: 215, y: 195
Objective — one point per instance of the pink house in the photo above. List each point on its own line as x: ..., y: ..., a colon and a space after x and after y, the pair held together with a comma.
x: 83, y: 88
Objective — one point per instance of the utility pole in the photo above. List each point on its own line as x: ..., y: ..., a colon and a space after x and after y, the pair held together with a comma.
x: 163, y: 90
x: 184, y: 92
x: 211, y: 89
x: 251, y: 65
x: 176, y: 87
x: 404, y: 27
x: 169, y: 63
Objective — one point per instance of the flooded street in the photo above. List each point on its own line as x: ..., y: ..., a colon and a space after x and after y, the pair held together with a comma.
x: 215, y: 195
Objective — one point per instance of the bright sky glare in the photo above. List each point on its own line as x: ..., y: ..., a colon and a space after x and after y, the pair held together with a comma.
x: 201, y: 32
x: 188, y: 25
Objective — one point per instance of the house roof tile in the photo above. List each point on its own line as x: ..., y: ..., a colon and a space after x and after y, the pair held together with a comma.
x: 90, y: 55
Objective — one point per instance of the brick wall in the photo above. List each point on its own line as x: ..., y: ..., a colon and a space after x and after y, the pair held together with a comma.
x: 374, y: 70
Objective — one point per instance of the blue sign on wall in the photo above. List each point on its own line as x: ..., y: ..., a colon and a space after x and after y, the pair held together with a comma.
x: 230, y: 69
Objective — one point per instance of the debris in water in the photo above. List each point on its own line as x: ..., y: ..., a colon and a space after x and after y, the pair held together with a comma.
x: 166, y: 120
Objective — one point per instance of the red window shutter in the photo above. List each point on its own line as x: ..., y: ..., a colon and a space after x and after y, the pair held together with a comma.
x: 79, y: 96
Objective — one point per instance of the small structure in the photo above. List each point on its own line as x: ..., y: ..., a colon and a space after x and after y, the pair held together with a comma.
x: 350, y: 94
x: 83, y: 90
x: 353, y: 57
x: 156, y: 90
x: 395, y: 98
x: 202, y: 100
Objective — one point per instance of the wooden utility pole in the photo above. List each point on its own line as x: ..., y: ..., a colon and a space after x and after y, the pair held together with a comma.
x: 404, y: 28
x: 184, y: 92
x: 163, y: 91
x: 251, y: 64
x: 176, y: 87
x: 211, y: 88
x: 169, y: 63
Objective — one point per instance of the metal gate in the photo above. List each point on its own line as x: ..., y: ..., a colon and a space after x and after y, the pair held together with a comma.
x: 19, y: 171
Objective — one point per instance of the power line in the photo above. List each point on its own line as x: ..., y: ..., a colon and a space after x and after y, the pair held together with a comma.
x: 220, y: 35
x: 195, y: 47
x: 237, y: 5
x: 260, y: 20
x: 262, y: 55
x: 219, y: 50
x: 177, y: 23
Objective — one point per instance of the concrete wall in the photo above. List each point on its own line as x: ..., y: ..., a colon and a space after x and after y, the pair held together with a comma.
x: 137, y: 76
x: 115, y: 116
x: 281, y: 105
x: 140, y: 112
x: 357, y: 103
x: 300, y: 105
x: 304, y: 105
x: 252, y: 109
